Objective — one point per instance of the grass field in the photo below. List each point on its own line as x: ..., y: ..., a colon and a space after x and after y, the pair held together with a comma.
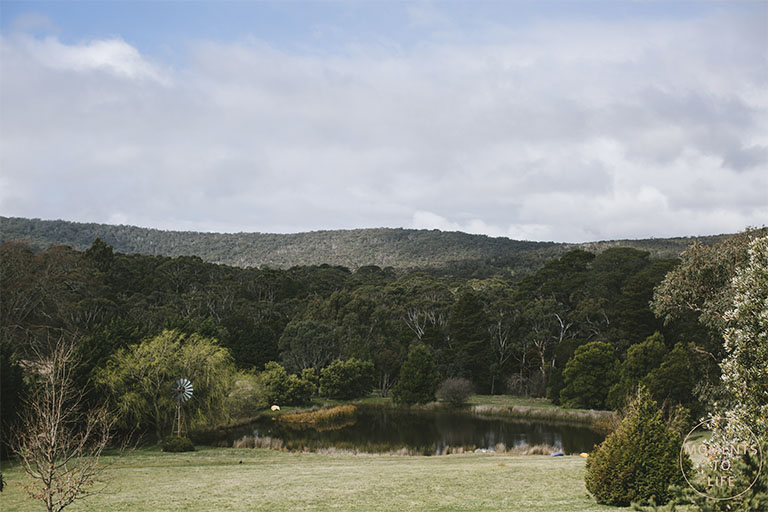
x: 229, y: 479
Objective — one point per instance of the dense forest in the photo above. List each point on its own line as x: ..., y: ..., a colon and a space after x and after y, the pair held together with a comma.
x: 432, y: 251
x: 579, y: 330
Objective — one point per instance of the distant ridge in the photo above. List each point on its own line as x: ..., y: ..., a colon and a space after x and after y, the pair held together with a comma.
x: 385, y: 247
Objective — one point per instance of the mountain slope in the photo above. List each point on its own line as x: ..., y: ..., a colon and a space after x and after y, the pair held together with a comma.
x: 385, y: 247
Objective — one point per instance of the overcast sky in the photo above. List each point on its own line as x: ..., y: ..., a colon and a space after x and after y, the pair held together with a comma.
x: 566, y: 121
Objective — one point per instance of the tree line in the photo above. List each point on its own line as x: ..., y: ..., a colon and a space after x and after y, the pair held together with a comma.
x: 580, y: 330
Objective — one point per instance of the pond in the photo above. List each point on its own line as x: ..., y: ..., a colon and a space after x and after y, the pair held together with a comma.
x: 430, y: 432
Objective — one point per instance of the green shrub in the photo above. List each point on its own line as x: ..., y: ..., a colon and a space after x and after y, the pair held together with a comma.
x: 455, y: 391
x: 418, y: 378
x: 283, y: 389
x: 589, y: 375
x: 639, y: 460
x: 177, y: 444
x: 345, y: 380
x: 746, y: 470
x: 642, y: 358
x: 299, y: 391
x: 247, y: 396
x: 675, y: 380
x: 747, y: 474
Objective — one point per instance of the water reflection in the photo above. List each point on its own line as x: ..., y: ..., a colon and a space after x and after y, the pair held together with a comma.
x: 384, y: 429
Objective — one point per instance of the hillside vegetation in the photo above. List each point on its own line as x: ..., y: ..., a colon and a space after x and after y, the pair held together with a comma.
x: 454, y: 252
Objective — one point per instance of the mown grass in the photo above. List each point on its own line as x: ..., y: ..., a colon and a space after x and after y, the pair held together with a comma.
x: 230, y: 479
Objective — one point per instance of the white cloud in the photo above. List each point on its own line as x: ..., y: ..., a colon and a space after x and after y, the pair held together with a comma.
x: 113, y: 56
x: 578, y: 131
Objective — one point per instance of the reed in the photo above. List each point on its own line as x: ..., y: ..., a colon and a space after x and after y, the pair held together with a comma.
x: 332, y: 417
x: 601, y: 419
x: 271, y: 443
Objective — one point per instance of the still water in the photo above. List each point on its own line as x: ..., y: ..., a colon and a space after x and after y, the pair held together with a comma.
x: 383, y: 429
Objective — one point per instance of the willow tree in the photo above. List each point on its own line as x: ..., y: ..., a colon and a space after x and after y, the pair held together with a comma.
x: 139, y: 380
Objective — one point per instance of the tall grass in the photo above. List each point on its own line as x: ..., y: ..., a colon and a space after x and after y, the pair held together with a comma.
x: 597, y: 419
x: 321, y: 419
x: 271, y: 443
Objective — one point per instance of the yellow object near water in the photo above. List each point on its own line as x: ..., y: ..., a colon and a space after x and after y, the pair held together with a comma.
x: 585, y: 455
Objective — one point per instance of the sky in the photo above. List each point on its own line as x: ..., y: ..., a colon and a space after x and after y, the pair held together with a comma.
x: 568, y: 121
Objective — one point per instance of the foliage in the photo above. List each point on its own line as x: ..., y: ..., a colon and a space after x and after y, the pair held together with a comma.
x: 745, y: 366
x: 589, y: 375
x: 345, y: 380
x: 455, y: 391
x: 418, y: 378
x: 675, y: 381
x: 638, y: 461
x: 469, y: 352
x: 702, y: 281
x: 486, y: 329
x: 139, y: 380
x: 727, y: 285
x: 745, y: 470
x: 401, y: 248
x: 308, y: 344
x: 642, y: 358
x: 12, y: 388
x: 176, y: 444
x: 280, y: 388
x: 247, y: 395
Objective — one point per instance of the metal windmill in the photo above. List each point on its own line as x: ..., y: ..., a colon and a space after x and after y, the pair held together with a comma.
x: 182, y: 391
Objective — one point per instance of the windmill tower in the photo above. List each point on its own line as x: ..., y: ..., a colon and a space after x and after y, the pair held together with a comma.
x: 182, y: 391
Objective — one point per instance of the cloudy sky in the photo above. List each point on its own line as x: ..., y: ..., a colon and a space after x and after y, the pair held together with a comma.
x: 566, y: 121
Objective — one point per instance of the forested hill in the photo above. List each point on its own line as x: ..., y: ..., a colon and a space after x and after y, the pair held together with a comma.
x: 385, y: 247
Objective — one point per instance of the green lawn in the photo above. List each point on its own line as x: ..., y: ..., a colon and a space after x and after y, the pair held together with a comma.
x: 228, y: 479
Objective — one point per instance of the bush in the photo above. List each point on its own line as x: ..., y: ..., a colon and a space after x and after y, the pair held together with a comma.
x: 418, y: 378
x: 589, y: 375
x: 247, y: 396
x: 638, y: 461
x: 675, y: 380
x: 284, y: 389
x: 455, y: 391
x: 642, y: 358
x: 177, y: 444
x: 345, y: 380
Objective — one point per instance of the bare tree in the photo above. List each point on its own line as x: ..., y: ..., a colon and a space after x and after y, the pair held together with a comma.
x: 58, y: 442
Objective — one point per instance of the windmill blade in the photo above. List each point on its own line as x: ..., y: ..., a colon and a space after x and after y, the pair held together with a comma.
x: 182, y: 390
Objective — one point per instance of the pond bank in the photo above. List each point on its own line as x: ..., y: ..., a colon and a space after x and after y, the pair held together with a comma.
x: 601, y: 420
x: 430, y: 429
x: 523, y: 409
